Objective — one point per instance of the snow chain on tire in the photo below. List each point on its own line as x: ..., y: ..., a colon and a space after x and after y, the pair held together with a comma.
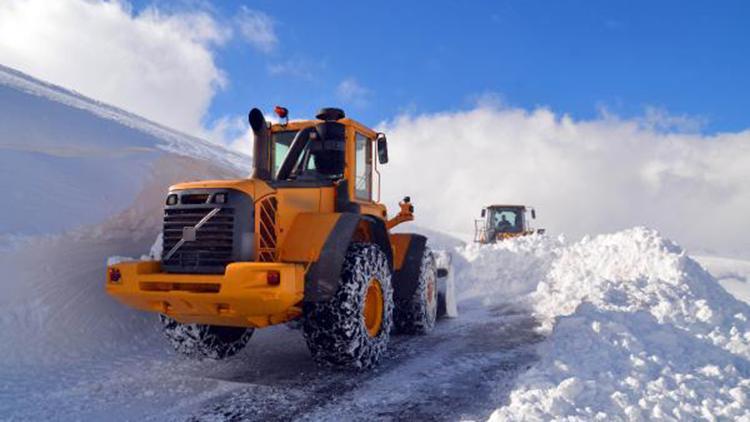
x: 417, y: 314
x: 205, y: 341
x: 335, y: 330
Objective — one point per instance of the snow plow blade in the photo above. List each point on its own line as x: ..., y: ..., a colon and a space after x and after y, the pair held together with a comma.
x: 446, y: 284
x: 248, y: 294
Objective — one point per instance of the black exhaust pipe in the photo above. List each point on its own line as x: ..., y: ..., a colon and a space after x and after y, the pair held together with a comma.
x: 261, y: 146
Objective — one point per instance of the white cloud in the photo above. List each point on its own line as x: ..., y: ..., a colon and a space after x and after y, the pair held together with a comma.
x: 297, y: 68
x: 257, y: 28
x: 658, y: 118
x: 233, y: 132
x: 158, y: 65
x: 584, y: 177
x: 349, y: 91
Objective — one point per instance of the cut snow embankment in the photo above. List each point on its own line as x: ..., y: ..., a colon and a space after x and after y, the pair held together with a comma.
x: 84, y: 181
x: 635, y: 328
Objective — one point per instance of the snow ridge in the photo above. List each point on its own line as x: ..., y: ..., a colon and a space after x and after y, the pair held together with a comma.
x: 636, y: 330
x: 171, y: 140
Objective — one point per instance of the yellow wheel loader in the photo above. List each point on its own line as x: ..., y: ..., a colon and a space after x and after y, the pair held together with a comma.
x: 304, y: 239
x: 500, y: 222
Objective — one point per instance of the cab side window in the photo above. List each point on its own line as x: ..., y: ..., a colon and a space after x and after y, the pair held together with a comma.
x: 363, y: 167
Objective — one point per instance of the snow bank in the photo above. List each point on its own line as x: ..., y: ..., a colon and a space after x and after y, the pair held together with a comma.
x: 85, y: 181
x: 507, y: 270
x: 636, y: 329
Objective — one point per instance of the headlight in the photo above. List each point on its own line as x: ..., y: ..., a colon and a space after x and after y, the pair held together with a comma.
x: 172, y: 199
x: 220, y: 198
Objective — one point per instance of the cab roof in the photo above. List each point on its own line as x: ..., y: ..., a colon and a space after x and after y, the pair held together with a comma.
x: 301, y: 124
x: 507, y: 206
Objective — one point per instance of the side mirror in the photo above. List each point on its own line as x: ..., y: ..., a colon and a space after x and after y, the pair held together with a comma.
x: 533, y: 213
x: 442, y: 272
x: 484, y: 212
x: 382, y: 148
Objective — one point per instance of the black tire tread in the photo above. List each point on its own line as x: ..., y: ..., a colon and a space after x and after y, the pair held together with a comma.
x: 205, y: 341
x: 334, y: 330
x: 412, y: 315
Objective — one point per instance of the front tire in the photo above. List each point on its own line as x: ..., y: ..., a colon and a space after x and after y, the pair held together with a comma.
x: 352, y: 329
x: 418, y: 313
x: 205, y: 341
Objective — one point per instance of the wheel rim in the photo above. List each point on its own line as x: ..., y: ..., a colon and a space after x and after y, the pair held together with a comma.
x: 373, y: 308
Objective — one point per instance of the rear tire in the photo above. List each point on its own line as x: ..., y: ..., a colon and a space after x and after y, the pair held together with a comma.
x: 417, y: 314
x: 205, y: 341
x: 352, y: 329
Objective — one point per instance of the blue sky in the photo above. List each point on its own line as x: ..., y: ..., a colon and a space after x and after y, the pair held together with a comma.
x: 561, y: 68
x: 576, y: 57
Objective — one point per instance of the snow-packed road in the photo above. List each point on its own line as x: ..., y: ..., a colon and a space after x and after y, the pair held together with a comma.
x: 451, y: 374
x: 465, y: 369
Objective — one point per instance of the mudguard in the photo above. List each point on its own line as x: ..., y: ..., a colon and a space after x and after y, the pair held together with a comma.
x: 408, y: 251
x: 320, y: 241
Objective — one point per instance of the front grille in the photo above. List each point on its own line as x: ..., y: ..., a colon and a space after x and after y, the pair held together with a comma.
x: 213, y: 247
x: 200, y: 198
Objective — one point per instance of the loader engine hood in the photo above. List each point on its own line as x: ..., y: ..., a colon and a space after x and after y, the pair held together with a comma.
x: 209, y: 224
x: 252, y: 187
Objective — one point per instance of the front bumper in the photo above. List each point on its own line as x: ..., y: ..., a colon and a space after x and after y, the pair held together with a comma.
x: 241, y: 297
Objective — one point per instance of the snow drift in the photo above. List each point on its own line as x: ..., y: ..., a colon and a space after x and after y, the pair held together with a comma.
x: 636, y: 328
x: 84, y: 181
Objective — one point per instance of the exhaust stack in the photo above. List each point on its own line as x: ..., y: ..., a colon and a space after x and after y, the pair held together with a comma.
x: 261, y: 146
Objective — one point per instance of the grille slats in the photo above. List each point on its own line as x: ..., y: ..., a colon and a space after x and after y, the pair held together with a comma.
x: 214, y: 241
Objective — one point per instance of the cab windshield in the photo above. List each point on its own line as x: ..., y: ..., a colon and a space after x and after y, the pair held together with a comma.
x: 317, y: 157
x: 506, y: 220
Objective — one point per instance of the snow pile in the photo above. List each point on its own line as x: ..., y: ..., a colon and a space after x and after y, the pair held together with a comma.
x: 497, y: 272
x: 636, y: 330
x: 85, y: 181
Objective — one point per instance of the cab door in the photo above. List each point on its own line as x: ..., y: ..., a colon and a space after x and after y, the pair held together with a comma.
x: 364, y: 170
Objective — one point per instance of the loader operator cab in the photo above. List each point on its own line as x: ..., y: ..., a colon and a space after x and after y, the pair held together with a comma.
x: 321, y: 160
x: 315, y: 152
x: 501, y: 222
x: 311, y: 155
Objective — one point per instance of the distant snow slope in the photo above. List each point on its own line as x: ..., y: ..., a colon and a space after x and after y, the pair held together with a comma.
x: 636, y: 329
x: 82, y: 181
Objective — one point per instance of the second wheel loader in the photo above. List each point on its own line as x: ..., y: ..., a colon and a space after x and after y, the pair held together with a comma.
x: 501, y: 222
x: 304, y: 239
